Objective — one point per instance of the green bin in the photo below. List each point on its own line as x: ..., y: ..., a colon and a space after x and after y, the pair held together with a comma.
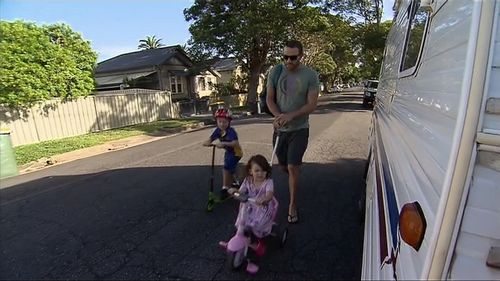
x: 8, y: 165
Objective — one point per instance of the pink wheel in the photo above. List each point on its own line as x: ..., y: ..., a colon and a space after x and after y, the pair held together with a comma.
x: 252, y: 268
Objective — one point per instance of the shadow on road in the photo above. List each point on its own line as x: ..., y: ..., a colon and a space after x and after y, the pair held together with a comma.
x: 150, y: 223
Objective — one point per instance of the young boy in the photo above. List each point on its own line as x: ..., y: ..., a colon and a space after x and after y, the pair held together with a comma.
x: 228, y: 139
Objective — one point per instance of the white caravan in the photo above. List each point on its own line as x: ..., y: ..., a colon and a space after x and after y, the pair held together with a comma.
x: 433, y: 178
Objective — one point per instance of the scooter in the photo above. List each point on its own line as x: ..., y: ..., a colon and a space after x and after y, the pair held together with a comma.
x: 213, y: 199
x: 237, y: 249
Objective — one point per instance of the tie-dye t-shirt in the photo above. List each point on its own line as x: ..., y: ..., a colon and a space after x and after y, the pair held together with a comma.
x: 291, y: 92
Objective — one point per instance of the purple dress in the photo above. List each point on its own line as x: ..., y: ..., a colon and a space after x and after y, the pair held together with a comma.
x: 259, y: 218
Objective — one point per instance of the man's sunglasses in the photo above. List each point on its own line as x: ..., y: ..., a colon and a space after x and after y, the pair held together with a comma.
x: 285, y: 57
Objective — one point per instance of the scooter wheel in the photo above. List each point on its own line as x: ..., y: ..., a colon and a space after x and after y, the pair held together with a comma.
x: 284, y: 237
x: 234, y: 260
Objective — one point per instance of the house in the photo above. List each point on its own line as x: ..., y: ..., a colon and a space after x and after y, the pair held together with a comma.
x: 205, y: 81
x: 231, y: 71
x: 167, y: 69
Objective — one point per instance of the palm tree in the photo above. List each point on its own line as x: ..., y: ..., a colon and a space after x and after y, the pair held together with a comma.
x: 151, y: 42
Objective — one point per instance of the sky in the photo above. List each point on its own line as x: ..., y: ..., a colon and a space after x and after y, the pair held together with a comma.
x: 114, y: 26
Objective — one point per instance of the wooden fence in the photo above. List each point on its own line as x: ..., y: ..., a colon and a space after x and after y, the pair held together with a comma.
x: 55, y: 119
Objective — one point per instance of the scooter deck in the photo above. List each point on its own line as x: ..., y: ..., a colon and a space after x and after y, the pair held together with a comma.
x: 213, y: 200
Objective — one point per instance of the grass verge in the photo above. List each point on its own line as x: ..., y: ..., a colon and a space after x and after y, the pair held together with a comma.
x: 32, y: 152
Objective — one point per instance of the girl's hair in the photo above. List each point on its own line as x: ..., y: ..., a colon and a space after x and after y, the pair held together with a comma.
x: 262, y: 162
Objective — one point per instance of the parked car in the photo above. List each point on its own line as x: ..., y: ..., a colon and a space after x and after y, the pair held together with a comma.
x: 370, y: 91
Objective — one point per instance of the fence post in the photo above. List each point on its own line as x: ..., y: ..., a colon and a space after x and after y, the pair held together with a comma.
x: 94, y: 98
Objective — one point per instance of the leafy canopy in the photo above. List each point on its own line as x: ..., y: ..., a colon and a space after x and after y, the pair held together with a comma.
x: 43, y: 62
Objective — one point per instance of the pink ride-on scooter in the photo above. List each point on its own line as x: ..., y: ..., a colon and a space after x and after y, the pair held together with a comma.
x: 237, y: 249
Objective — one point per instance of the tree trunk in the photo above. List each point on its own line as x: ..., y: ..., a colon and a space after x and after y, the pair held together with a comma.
x: 256, y: 60
x: 379, y: 5
x: 253, y: 83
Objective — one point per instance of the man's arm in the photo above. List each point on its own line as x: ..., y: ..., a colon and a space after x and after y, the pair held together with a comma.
x: 270, y: 99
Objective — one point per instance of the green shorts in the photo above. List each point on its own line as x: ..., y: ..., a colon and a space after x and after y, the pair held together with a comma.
x: 291, y: 146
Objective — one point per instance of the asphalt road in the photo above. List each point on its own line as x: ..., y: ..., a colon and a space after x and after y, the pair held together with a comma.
x: 139, y: 213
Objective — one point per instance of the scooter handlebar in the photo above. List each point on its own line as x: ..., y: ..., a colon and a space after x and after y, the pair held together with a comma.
x: 243, y: 197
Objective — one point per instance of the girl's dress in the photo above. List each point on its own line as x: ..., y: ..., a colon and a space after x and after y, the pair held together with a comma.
x: 259, y: 218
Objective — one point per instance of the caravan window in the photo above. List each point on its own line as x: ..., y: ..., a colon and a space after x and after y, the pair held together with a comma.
x: 415, y: 36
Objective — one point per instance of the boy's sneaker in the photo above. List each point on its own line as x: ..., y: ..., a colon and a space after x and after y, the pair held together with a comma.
x: 236, y: 184
x: 224, y: 194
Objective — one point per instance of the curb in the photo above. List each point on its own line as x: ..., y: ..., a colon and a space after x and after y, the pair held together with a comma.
x: 120, y: 144
x: 111, y: 146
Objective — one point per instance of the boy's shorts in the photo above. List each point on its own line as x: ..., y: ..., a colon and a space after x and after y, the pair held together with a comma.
x: 291, y: 146
x: 231, y: 162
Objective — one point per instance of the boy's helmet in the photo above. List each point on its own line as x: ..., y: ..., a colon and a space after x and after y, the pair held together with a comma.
x: 223, y: 113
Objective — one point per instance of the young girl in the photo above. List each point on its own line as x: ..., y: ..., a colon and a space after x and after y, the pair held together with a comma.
x: 228, y: 140
x: 259, y: 185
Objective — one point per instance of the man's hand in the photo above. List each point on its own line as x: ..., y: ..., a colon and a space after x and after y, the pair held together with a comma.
x: 220, y: 145
x: 282, y: 119
x: 276, y: 122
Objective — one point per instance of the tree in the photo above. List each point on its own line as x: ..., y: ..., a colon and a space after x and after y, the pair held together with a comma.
x: 368, y: 35
x: 328, y: 44
x: 368, y: 11
x: 371, y: 39
x: 151, y: 42
x: 314, y: 31
x: 252, y: 31
x: 42, y: 62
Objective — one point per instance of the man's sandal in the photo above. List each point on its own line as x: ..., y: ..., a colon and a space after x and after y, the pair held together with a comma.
x: 293, y: 219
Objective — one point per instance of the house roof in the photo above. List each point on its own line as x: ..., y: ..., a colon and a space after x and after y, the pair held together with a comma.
x: 224, y: 64
x: 140, y: 59
x: 118, y: 79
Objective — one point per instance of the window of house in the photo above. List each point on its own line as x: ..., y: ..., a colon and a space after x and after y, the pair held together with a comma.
x: 201, y: 83
x: 415, y: 37
x: 179, y: 85
x: 175, y: 84
x: 209, y: 83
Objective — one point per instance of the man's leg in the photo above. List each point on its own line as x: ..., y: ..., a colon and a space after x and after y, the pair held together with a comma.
x: 297, y: 146
x: 281, y: 150
x: 293, y: 182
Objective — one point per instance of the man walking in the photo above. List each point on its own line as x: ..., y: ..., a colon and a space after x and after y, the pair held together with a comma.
x: 292, y: 94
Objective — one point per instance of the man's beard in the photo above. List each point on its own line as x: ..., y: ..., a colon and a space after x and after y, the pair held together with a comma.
x: 292, y: 66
